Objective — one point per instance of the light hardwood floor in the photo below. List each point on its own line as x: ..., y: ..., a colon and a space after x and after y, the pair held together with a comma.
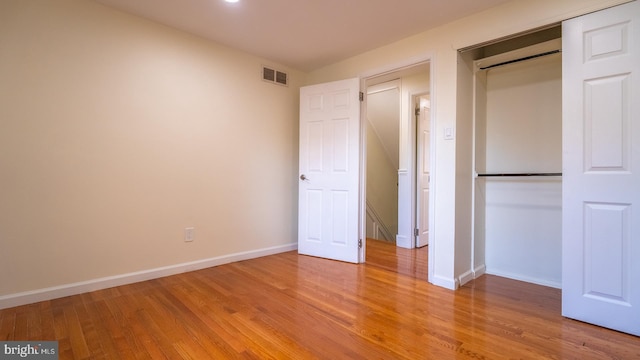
x: 288, y: 306
x: 410, y: 262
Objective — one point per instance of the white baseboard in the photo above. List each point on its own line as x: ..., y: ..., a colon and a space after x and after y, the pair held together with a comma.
x: 29, y: 297
x: 479, y: 271
x: 465, y: 277
x: 403, y: 241
x: 470, y: 275
x: 448, y: 283
x: 537, y: 281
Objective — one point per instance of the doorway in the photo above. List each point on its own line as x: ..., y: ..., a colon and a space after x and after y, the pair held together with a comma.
x: 391, y: 160
x: 517, y: 157
x: 382, y: 149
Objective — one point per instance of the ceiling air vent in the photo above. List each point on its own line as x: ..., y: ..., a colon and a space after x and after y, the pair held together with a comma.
x: 275, y: 76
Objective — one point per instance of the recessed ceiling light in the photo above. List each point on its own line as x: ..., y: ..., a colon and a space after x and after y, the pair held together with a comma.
x: 231, y: 1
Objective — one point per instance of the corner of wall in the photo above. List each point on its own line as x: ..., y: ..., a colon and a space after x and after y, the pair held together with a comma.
x: 445, y: 282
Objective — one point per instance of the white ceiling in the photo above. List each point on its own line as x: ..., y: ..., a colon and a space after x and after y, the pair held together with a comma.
x: 304, y: 34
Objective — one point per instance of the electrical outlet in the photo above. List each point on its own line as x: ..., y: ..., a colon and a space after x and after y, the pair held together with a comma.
x: 189, y: 234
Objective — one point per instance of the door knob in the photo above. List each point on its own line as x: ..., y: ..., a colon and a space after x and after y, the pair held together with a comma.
x: 303, y: 177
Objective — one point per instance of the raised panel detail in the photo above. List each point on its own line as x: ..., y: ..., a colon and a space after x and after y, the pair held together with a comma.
x: 341, y: 100
x: 314, y: 215
x: 606, y: 140
x: 315, y: 103
x: 339, y: 216
x: 340, y: 128
x: 426, y: 141
x: 606, y: 245
x: 315, y: 146
x: 606, y: 42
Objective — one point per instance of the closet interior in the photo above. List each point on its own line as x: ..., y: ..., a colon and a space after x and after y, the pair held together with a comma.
x: 517, y: 160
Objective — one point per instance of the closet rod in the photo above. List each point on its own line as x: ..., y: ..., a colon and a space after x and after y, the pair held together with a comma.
x: 520, y: 174
x: 521, y: 59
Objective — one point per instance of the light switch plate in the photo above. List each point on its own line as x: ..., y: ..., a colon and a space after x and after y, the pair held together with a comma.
x: 448, y: 133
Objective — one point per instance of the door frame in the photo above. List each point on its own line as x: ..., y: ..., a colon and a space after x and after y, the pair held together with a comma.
x: 422, y: 59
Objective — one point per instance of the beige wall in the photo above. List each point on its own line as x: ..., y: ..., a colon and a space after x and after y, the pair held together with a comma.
x: 441, y: 45
x: 382, y: 184
x: 382, y: 138
x: 116, y: 133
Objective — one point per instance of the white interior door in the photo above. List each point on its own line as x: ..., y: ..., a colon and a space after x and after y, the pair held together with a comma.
x: 424, y: 147
x: 328, y: 202
x: 601, y: 168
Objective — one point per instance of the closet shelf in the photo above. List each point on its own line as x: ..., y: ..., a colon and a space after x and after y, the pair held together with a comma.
x: 522, y: 59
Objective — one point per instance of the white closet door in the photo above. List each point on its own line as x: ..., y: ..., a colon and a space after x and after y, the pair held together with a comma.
x: 601, y: 165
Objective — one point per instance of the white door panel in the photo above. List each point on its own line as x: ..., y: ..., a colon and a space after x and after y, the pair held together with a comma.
x: 601, y: 168
x: 329, y: 170
x: 424, y: 151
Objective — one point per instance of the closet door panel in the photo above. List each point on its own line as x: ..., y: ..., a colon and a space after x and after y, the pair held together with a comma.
x: 607, y: 121
x: 601, y: 166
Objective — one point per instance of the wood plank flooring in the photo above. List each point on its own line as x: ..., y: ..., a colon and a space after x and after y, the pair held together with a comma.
x: 410, y: 262
x: 288, y: 306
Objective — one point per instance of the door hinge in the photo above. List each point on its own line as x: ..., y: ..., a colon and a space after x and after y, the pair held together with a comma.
x: 416, y: 232
x: 360, y: 244
x: 417, y: 112
x: 361, y: 96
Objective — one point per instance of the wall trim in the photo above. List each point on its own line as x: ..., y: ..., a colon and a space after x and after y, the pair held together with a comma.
x: 448, y: 283
x: 33, y: 296
x: 403, y: 241
x: 519, y: 277
x: 479, y: 271
x: 465, y: 277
